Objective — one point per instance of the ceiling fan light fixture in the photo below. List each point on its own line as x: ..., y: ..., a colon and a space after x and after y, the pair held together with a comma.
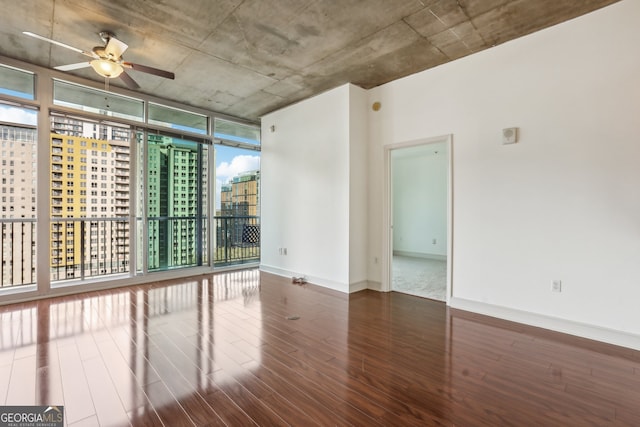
x: 107, y: 60
x: 107, y: 68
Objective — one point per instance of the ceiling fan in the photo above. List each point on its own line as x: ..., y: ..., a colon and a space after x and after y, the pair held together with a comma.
x: 107, y: 60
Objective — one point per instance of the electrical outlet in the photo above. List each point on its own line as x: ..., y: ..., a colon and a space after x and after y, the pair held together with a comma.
x: 556, y: 285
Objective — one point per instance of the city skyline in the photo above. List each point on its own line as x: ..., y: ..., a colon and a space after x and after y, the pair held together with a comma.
x: 90, y: 192
x: 229, y: 161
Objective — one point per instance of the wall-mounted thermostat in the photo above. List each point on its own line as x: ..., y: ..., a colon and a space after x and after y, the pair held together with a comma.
x: 509, y: 135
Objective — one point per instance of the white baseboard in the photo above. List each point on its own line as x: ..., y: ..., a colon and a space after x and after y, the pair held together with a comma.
x: 375, y: 286
x: 358, y: 286
x: 421, y: 255
x: 610, y: 336
x: 320, y: 281
x: 277, y: 271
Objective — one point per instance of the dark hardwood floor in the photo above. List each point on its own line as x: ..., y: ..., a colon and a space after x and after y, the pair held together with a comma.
x: 227, y: 349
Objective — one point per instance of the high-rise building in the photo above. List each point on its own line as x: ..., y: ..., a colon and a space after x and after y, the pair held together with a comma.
x: 18, y: 191
x: 239, y: 210
x: 172, y: 204
x: 241, y: 195
x: 157, y: 206
x: 90, y: 199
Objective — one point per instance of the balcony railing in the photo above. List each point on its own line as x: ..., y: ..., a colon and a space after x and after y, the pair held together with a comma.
x: 167, y: 250
x: 237, y: 240
x: 18, y: 254
x: 83, y: 248
x: 86, y: 258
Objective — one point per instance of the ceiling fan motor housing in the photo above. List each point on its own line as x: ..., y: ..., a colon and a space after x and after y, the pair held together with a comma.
x: 100, y: 51
x: 106, y: 36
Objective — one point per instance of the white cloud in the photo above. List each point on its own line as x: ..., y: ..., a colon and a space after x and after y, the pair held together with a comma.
x: 17, y: 115
x: 239, y: 164
x: 225, y: 171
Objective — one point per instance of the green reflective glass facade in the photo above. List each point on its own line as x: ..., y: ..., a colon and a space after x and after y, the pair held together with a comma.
x: 174, y: 202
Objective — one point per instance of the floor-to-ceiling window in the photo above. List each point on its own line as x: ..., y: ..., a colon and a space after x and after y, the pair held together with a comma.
x: 90, y: 167
x: 90, y: 198
x: 177, y: 164
x: 18, y: 181
x: 129, y: 185
x: 176, y: 202
x: 237, y: 220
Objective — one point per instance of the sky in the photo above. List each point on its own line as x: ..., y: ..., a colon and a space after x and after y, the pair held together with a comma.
x: 230, y: 161
x: 12, y: 114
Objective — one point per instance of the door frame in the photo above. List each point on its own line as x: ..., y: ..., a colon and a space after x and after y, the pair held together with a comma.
x: 387, y: 216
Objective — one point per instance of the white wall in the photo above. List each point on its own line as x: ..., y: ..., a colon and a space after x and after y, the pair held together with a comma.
x: 307, y: 184
x: 358, y: 188
x: 419, y: 193
x: 564, y: 202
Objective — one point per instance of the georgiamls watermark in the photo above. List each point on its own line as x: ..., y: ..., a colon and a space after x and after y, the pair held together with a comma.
x: 31, y: 416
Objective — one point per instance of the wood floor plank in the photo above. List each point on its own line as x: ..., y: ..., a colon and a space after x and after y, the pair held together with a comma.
x: 165, y: 404
x: 183, y: 381
x: 87, y: 346
x: 179, y: 351
x: 258, y: 412
x: 5, y: 378
x: 145, y: 416
x: 109, y: 408
x: 48, y: 377
x: 303, y: 394
x: 376, y: 406
x: 626, y: 417
x: 124, y: 380
x: 77, y: 397
x: 228, y: 410
x: 233, y: 376
x: 86, y: 422
x: 22, y: 386
x: 219, y: 350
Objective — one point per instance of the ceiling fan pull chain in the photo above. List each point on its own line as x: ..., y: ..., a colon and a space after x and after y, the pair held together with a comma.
x: 106, y: 89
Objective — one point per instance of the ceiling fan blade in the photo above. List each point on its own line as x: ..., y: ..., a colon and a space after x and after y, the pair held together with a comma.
x: 71, y: 67
x: 150, y: 70
x: 75, y: 49
x: 126, y: 78
x: 115, y: 48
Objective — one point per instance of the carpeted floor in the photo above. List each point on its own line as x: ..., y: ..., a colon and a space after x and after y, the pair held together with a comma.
x: 420, y: 276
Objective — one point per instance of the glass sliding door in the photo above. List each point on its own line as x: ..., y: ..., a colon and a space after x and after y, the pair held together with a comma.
x: 90, y: 198
x: 18, y: 173
x: 176, y: 180
x: 237, y: 219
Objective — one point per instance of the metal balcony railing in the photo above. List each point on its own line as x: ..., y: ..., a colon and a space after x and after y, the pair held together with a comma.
x: 237, y: 240
x: 17, y: 253
x: 90, y: 257
x: 83, y: 248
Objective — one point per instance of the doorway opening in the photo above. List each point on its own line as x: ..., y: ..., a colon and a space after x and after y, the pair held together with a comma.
x: 419, y: 218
